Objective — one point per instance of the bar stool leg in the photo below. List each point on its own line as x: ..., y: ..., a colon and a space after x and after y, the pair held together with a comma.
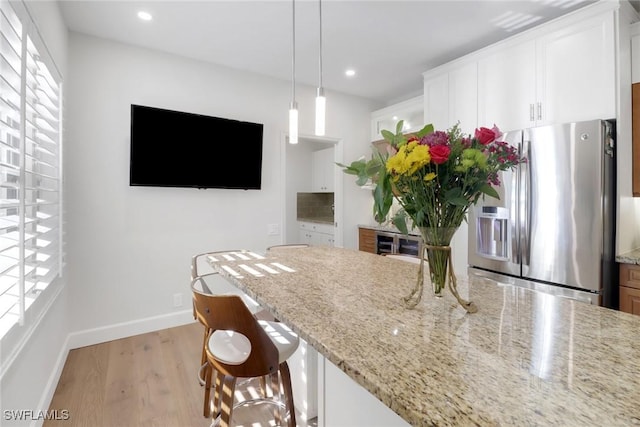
x: 207, y: 390
x: 275, y: 392
x: 226, y: 410
x: 288, y: 392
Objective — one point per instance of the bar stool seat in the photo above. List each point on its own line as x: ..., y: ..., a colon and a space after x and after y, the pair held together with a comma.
x: 233, y: 348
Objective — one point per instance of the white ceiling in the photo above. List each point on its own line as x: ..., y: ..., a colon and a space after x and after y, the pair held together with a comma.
x: 389, y: 43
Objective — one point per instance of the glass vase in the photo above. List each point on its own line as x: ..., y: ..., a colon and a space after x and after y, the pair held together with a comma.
x: 437, y: 242
x: 437, y: 246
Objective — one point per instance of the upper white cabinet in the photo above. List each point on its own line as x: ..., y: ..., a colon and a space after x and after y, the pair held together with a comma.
x: 576, y: 72
x: 463, y: 97
x: 451, y: 96
x: 322, y: 170
x: 436, y: 100
x: 410, y: 111
x: 560, y: 76
x: 507, y: 88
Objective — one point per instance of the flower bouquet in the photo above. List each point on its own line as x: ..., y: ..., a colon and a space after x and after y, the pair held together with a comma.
x: 435, y: 176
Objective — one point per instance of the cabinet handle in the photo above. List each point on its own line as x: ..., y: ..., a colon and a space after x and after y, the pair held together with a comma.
x: 539, y: 110
x: 531, y: 113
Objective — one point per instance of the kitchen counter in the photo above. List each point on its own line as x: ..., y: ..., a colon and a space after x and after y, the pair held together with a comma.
x: 632, y: 257
x: 525, y: 358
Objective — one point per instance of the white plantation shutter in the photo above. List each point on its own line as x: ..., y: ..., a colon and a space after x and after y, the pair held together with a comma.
x: 30, y: 173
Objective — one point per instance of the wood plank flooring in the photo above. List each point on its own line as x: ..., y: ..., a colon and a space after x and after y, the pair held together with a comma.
x: 144, y: 380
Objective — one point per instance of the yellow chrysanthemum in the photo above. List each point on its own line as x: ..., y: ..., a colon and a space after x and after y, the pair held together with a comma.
x: 409, y: 159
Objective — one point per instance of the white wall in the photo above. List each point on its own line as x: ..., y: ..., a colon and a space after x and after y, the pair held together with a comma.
x: 129, y: 247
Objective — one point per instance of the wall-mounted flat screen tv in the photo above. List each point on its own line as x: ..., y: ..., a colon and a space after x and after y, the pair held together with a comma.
x: 179, y: 149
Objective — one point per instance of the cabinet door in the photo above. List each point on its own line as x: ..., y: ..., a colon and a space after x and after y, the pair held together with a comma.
x: 506, y: 87
x: 436, y: 101
x: 463, y: 97
x: 576, y: 72
x: 304, y: 236
x: 629, y: 300
x: 367, y: 240
x: 321, y: 239
x: 322, y: 170
x: 411, y: 112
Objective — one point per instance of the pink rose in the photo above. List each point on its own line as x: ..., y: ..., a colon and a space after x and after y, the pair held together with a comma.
x: 496, y: 131
x: 485, y: 136
x: 439, y: 154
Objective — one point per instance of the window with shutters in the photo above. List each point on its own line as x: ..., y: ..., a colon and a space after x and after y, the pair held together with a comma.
x: 30, y: 169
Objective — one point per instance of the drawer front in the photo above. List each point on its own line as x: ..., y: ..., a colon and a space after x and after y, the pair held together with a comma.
x: 630, y: 275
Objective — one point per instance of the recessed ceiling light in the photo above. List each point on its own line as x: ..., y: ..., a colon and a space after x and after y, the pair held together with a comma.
x: 145, y: 16
x: 350, y: 72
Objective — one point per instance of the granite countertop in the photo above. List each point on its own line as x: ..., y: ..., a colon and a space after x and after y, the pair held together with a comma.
x: 632, y: 257
x: 525, y: 358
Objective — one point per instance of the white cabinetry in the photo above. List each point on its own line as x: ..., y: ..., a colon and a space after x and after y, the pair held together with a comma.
x: 451, y: 96
x: 316, y: 234
x: 561, y: 76
x: 436, y: 100
x: 576, y: 72
x: 410, y: 111
x: 506, y: 87
x: 322, y: 169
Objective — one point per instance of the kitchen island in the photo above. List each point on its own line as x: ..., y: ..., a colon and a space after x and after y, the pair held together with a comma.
x: 525, y: 358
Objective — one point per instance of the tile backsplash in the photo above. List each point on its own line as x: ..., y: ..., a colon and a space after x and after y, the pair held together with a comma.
x: 315, y: 206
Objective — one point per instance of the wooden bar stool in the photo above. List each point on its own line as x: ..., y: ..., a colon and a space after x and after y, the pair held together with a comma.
x: 241, y: 346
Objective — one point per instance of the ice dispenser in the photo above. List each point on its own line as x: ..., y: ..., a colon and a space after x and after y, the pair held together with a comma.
x: 492, y: 228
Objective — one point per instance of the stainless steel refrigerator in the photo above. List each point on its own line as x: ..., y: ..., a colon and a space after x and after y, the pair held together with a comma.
x: 553, y: 228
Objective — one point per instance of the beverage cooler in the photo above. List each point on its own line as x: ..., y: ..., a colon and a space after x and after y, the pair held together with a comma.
x: 394, y: 243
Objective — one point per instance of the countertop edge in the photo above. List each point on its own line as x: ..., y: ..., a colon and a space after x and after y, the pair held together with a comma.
x: 631, y: 257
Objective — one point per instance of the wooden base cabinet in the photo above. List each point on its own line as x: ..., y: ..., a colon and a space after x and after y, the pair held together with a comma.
x: 630, y: 288
x: 367, y: 240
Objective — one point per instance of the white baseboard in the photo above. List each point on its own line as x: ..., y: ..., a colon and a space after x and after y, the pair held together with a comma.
x: 128, y: 329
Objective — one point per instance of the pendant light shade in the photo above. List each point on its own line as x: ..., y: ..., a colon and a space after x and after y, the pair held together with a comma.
x: 293, y: 123
x: 321, y: 105
x: 293, y: 107
x: 321, y: 101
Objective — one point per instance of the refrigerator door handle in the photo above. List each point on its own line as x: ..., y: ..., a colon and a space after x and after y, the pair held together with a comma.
x: 524, y: 209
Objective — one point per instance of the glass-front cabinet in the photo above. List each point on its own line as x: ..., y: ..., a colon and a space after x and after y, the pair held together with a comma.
x: 410, y: 111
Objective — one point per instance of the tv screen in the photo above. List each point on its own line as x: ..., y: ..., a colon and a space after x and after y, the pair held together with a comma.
x: 178, y: 149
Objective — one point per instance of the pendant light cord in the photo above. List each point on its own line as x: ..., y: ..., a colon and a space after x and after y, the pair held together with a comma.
x: 293, y: 54
x: 320, y: 49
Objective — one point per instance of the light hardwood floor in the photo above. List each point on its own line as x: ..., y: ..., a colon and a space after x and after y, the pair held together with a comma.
x: 144, y: 380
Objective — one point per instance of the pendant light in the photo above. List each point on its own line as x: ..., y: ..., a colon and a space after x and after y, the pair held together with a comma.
x: 321, y: 101
x: 293, y: 107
